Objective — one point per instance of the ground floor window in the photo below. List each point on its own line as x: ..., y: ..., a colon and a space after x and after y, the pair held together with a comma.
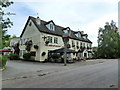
x: 22, y: 52
x: 89, y: 54
x: 85, y: 54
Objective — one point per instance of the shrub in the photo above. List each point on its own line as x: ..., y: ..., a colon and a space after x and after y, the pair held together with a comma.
x: 26, y: 56
x: 3, y: 60
x: 13, y: 56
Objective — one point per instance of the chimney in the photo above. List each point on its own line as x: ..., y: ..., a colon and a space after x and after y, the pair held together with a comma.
x: 82, y: 32
x: 38, y: 20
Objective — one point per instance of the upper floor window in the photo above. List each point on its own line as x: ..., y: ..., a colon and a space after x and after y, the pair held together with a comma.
x: 90, y: 45
x: 84, y: 37
x: 78, y: 35
x: 80, y: 43
x: 77, y: 43
x: 55, y: 40
x: 23, y: 41
x: 51, y: 26
x: 83, y: 44
x: 67, y: 30
x: 50, y: 39
x: 73, y: 43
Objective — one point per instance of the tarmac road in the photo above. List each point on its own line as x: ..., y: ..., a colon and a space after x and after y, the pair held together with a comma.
x: 89, y: 74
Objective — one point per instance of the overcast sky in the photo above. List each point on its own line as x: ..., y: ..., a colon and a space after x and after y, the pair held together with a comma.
x: 82, y: 15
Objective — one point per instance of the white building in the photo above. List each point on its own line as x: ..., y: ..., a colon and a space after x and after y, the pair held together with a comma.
x: 13, y: 42
x: 39, y: 37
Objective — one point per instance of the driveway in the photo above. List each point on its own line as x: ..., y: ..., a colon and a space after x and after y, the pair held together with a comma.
x: 89, y: 74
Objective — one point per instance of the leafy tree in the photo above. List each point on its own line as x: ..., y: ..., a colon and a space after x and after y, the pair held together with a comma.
x: 108, y: 41
x: 5, y: 23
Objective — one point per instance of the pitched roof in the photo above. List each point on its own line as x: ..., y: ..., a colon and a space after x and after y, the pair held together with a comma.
x: 58, y: 29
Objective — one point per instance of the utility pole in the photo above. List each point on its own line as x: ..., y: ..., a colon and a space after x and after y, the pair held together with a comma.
x: 65, y: 40
x: 65, y: 53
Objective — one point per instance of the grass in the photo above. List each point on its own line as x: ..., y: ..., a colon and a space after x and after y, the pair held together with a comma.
x: 3, y: 60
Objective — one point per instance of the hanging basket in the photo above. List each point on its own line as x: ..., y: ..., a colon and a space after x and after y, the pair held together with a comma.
x: 28, y: 45
x: 77, y: 47
x: 68, y: 45
x: 43, y: 53
x: 28, y: 42
x: 73, y: 45
x: 36, y: 46
x: 46, y: 42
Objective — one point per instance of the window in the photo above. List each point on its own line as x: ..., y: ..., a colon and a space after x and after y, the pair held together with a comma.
x: 78, y: 35
x: 90, y: 45
x: 73, y: 43
x: 83, y: 44
x: 20, y: 42
x: 11, y: 43
x: 23, y: 41
x: 51, y: 26
x: 77, y: 43
x: 26, y: 40
x: 55, y: 40
x: 87, y: 45
x: 50, y: 39
x: 65, y: 31
x: 20, y: 54
x: 85, y: 37
x: 24, y: 51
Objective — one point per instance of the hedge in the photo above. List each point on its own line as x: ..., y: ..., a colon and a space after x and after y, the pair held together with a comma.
x: 13, y: 56
x: 3, y: 60
x: 26, y: 56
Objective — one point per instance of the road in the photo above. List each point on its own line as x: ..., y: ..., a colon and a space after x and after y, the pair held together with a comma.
x: 54, y: 75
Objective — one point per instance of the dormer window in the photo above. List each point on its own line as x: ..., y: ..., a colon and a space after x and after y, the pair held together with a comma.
x: 85, y: 36
x: 51, y: 26
x: 78, y: 35
x: 67, y: 30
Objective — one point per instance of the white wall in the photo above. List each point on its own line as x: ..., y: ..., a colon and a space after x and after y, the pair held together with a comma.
x: 33, y: 34
x: 50, y: 46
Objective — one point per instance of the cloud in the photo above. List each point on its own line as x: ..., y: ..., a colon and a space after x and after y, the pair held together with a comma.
x: 109, y: 1
x: 19, y: 19
x: 92, y: 28
x: 85, y: 15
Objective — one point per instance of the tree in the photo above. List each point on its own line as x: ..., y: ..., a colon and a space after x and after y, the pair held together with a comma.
x: 108, y: 41
x: 5, y: 23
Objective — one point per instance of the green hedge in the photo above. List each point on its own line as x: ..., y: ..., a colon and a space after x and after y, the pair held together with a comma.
x: 13, y: 56
x: 26, y: 56
x: 3, y: 60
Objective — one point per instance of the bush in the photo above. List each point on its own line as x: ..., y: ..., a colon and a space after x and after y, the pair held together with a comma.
x: 26, y: 56
x: 13, y: 56
x: 3, y: 60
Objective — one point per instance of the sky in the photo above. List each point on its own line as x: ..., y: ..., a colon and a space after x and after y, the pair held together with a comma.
x: 79, y: 15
